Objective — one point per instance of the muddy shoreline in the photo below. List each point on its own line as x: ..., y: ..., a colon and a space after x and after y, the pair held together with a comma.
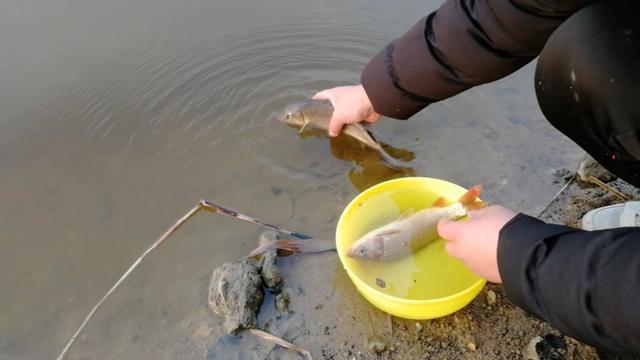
x: 334, y: 321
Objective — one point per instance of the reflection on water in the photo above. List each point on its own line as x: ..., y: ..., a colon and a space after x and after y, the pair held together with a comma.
x: 371, y: 168
x: 117, y: 116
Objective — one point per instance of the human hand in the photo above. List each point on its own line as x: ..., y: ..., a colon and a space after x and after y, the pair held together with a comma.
x: 350, y: 105
x: 475, y: 241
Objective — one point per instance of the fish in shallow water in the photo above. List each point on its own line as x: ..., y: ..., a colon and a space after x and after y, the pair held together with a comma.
x: 271, y: 240
x: 411, y: 231
x: 317, y: 113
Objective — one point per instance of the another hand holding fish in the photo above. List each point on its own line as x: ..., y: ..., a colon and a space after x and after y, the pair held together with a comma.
x: 352, y: 105
x: 475, y: 241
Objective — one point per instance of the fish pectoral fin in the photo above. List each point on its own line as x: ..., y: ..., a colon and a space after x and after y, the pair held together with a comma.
x: 405, y: 214
x: 365, y: 127
x: 440, y: 202
x: 304, y: 124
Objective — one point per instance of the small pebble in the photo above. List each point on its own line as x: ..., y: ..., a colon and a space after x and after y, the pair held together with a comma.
x: 376, y: 344
x: 418, y: 326
x: 491, y: 297
x: 471, y: 346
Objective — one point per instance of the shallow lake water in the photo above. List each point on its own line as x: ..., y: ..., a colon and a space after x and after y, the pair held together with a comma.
x: 117, y: 116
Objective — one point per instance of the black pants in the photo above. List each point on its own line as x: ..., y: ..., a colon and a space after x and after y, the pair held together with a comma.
x: 588, y: 84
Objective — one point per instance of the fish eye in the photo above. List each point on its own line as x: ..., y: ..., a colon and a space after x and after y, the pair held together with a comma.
x: 288, y: 116
x: 363, y: 251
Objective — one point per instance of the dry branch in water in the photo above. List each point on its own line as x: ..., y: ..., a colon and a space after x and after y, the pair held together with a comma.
x: 202, y: 204
x: 126, y: 274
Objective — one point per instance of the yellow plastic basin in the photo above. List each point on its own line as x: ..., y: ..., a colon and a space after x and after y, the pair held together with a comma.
x: 426, y: 285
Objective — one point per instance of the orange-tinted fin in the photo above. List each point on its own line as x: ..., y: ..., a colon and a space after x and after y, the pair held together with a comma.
x: 440, y: 202
x: 478, y: 204
x: 468, y: 198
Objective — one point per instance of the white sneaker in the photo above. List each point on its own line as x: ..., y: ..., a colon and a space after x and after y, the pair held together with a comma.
x: 612, y: 216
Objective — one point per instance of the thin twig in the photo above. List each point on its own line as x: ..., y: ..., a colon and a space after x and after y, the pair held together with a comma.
x: 558, y: 193
x: 126, y: 274
x: 608, y: 188
x: 282, y: 342
x: 226, y: 211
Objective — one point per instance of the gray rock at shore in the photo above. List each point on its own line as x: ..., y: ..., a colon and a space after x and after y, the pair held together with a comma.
x: 235, y: 292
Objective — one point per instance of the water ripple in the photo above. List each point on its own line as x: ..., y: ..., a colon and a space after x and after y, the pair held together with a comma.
x: 206, y: 89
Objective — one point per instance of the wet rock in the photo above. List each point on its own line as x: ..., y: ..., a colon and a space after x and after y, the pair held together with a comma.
x: 281, y: 303
x: 235, y: 292
x: 376, y: 344
x: 271, y: 274
x: 590, y: 167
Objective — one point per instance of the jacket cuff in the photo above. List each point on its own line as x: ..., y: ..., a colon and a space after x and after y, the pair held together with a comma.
x: 519, y: 243
x: 380, y: 81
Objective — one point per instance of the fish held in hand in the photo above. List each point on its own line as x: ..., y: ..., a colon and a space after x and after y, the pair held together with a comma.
x: 317, y: 114
x: 412, y: 231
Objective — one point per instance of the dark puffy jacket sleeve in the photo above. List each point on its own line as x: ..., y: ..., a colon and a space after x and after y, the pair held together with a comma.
x: 585, y: 283
x: 462, y: 44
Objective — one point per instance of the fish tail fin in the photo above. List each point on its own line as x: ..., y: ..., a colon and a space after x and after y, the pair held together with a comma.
x: 470, y: 199
x: 388, y: 159
x: 309, y: 246
x: 261, y: 249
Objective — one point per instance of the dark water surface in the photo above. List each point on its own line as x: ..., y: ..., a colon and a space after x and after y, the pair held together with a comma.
x: 117, y: 116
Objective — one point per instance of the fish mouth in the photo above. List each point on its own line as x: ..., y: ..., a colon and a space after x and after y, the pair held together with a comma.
x: 351, y: 251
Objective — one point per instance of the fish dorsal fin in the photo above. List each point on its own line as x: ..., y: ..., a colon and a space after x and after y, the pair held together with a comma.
x: 405, y: 214
x: 440, y: 202
x: 470, y: 196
